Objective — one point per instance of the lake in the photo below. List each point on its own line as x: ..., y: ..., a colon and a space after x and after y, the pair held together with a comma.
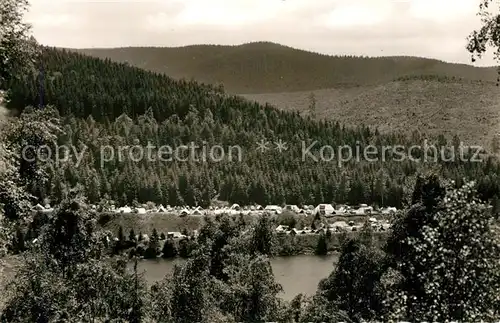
x: 297, y: 274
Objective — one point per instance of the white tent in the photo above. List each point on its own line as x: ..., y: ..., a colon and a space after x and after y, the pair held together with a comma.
x: 125, y: 209
x: 198, y: 211
x: 339, y: 224
x: 273, y: 209
x: 324, y: 209
x: 341, y: 210
x: 175, y: 235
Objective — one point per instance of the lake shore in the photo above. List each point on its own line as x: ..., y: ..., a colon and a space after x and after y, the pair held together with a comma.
x: 287, y: 244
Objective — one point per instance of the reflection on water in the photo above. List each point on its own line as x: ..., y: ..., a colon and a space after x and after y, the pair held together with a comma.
x: 297, y: 274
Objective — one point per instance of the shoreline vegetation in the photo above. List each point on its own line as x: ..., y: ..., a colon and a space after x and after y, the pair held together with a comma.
x: 133, y: 233
x: 227, y: 275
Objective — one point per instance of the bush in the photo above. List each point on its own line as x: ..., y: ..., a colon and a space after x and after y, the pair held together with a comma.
x: 287, y: 218
x: 321, y: 247
x: 150, y: 253
x: 169, y: 249
x: 186, y: 247
x: 104, y: 218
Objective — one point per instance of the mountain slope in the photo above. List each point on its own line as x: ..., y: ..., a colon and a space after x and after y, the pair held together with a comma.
x: 92, y: 95
x: 469, y: 110
x: 264, y: 67
x: 391, y: 93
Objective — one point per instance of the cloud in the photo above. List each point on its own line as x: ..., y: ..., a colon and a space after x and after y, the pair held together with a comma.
x: 54, y: 20
x: 228, y: 14
x: 432, y: 28
x: 443, y: 11
x: 358, y: 14
x: 222, y: 13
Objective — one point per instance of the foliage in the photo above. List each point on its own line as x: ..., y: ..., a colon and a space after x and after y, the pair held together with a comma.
x: 186, y: 247
x: 366, y: 234
x: 18, y: 50
x: 253, y: 291
x: 354, y: 285
x: 319, y: 309
x: 287, y: 218
x: 288, y: 245
x: 96, y: 290
x: 263, y: 237
x: 22, y: 179
x: 169, y: 249
x: 190, y: 299
x: 33, y: 138
x: 312, y: 105
x: 445, y: 250
x: 487, y: 35
x: 131, y: 235
x: 223, y: 281
x: 70, y: 235
x: 153, y: 248
x: 67, y: 275
x: 322, y: 246
x: 216, y: 236
x: 14, y: 200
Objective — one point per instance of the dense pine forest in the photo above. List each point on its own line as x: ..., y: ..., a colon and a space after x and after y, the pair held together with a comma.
x: 104, y: 103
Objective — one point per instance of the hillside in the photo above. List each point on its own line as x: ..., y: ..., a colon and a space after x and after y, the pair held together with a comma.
x: 390, y: 93
x: 264, y: 67
x: 162, y: 111
x: 469, y: 110
x: 106, y: 104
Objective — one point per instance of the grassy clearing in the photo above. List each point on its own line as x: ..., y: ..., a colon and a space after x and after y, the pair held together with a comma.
x: 164, y: 222
x: 145, y: 223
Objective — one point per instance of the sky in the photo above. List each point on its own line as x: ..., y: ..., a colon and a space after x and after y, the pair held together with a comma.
x: 426, y: 28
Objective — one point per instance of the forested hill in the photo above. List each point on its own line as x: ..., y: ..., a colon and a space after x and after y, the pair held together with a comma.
x: 264, y: 67
x: 92, y: 96
x: 405, y: 94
